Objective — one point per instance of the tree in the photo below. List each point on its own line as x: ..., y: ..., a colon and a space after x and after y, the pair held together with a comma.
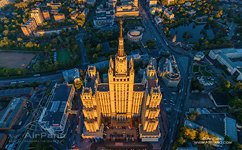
x: 151, y: 44
x: 181, y: 141
x: 190, y: 133
x: 219, y: 14
x: 203, y: 135
x: 81, y: 20
x: 99, y: 47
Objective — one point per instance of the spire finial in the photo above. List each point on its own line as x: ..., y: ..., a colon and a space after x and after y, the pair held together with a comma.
x: 121, y: 52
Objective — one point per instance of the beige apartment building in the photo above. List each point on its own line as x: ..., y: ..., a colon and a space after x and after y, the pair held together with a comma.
x: 37, y: 15
x: 29, y: 27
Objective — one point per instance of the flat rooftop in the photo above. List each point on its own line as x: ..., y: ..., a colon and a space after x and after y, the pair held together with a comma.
x: 9, y: 113
x: 56, y: 107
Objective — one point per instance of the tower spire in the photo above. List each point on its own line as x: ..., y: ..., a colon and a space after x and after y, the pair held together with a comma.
x: 121, y: 52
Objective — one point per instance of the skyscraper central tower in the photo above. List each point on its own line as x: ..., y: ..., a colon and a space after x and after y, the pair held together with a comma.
x: 121, y: 98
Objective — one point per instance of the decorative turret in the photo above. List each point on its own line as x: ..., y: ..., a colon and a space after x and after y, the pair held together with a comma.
x: 131, y: 64
x: 111, y: 66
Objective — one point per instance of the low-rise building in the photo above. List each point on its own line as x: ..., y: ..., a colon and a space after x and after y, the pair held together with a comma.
x: 12, y: 113
x: 231, y: 58
x: 29, y: 27
x: 170, y: 72
x: 169, y: 2
x: 3, y: 3
x: 37, y: 15
x: 169, y: 14
x: 127, y: 10
x: 46, y: 14
x: 74, y: 15
x: 199, y: 56
x: 54, y: 6
x: 104, y: 16
x: 158, y: 20
x: 135, y: 35
x: 59, y: 17
x: 56, y: 31
x: 152, y: 3
x: 54, y: 117
x: 91, y: 2
x: 71, y: 75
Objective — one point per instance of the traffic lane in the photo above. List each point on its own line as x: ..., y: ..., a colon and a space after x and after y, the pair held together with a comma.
x: 15, y: 92
x: 32, y: 79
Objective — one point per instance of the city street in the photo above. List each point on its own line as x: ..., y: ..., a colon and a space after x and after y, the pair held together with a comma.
x: 184, y: 64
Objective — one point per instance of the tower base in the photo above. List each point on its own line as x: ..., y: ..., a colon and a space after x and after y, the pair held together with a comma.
x: 93, y: 135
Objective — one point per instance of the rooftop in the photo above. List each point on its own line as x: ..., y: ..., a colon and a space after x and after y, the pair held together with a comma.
x: 103, y: 87
x: 139, y: 87
x: 9, y: 113
x: 56, y: 107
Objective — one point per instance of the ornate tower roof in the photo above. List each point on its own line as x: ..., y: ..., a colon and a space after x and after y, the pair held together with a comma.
x: 121, y: 52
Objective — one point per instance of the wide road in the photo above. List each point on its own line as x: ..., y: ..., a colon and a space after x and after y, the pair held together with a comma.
x: 42, y: 79
x: 83, y: 51
x: 185, y: 71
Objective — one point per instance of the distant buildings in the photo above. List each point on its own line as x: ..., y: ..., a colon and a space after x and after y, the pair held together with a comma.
x: 152, y: 3
x: 169, y: 14
x: 56, y: 31
x: 104, y: 16
x: 54, y: 117
x: 127, y: 9
x: 170, y: 2
x: 158, y: 20
x: 135, y: 35
x: 199, y: 56
x: 91, y: 2
x: 74, y: 15
x: 36, y: 19
x: 37, y: 15
x: 59, y: 17
x: 46, y: 14
x: 231, y: 58
x: 54, y: 6
x: 29, y: 27
x: 4, y: 3
x: 170, y: 72
x: 12, y: 114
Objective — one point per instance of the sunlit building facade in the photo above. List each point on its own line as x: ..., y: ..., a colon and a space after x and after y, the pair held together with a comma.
x: 121, y: 98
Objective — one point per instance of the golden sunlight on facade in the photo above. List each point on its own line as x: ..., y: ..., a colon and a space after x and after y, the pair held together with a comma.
x: 121, y: 98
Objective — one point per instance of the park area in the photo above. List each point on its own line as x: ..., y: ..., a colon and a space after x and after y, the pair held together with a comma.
x: 63, y: 56
x: 202, y: 70
x: 15, y: 59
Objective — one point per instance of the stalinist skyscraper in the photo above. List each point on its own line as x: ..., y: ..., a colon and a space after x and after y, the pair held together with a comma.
x: 121, y: 98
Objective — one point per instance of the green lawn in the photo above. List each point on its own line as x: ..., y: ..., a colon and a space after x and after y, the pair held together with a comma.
x: 195, y: 68
x: 202, y: 70
x: 63, y: 56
